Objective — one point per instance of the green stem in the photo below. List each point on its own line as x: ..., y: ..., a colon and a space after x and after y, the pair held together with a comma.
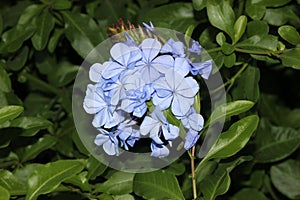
x: 194, y: 184
x: 41, y: 84
x: 232, y: 80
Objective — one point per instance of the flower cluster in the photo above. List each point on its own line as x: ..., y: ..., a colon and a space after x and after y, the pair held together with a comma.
x: 140, y: 76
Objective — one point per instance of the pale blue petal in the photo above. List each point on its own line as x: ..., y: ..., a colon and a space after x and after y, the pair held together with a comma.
x: 190, y: 139
x: 140, y: 110
x: 158, y: 114
x: 188, y: 87
x: 181, y: 66
x: 110, y: 148
x: 100, y: 118
x: 95, y: 72
x: 181, y: 105
x: 94, y: 100
x: 162, y: 102
x: 101, y: 139
x: 150, y: 48
x: 170, y: 131
x: 202, y: 68
x: 173, y: 79
x: 149, y: 124
x: 195, y: 48
x: 162, y: 84
x: 196, y: 121
x: 112, y: 120
x: 149, y: 73
x: 159, y: 151
x: 124, y: 54
x: 127, y: 105
x: 163, y: 63
x: 112, y: 69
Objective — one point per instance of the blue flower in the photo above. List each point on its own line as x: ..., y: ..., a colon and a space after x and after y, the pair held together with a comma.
x: 149, y: 27
x: 127, y: 135
x: 109, y: 142
x: 95, y: 102
x: 190, y: 139
x: 151, y: 64
x: 137, y: 93
x: 175, y: 90
x: 195, y: 48
x: 124, y: 57
x: 159, y: 150
x: 157, y: 125
x: 193, y: 120
x: 173, y: 47
x: 202, y: 68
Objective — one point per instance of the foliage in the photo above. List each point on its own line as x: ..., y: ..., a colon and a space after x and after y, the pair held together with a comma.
x: 255, y: 45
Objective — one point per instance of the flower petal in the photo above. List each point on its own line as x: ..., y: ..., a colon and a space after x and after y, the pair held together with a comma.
x: 163, y: 63
x: 95, y: 72
x: 149, y: 124
x: 112, y: 69
x: 150, y: 48
x: 170, y: 132
x: 181, y: 66
x: 196, y: 121
x: 188, y: 87
x: 181, y: 105
x: 101, y: 139
x: 159, y: 151
x: 190, y: 139
x: 162, y: 102
x: 110, y: 148
x: 124, y: 54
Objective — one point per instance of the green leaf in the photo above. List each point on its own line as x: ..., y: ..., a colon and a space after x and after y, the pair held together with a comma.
x: 227, y: 48
x: 290, y: 34
x: 55, y: 39
x: 274, y: 143
x: 95, y: 168
x: 48, y: 177
x: 219, y: 182
x: 230, y: 109
x: 291, y: 58
x: 257, y: 27
x: 286, y: 178
x: 19, y: 60
x: 82, y: 32
x: 177, y: 16
x: 1, y: 24
x: 199, y: 4
x: 249, y: 194
x: 31, y: 151
x: 123, y: 197
x: 80, y: 181
x: 221, y: 38
x: 13, y: 39
x: 221, y: 15
x: 256, y: 12
x: 280, y: 16
x: 157, y: 185
x: 234, y: 139
x: 31, y: 125
x: 29, y: 15
x: 259, y: 42
x: 63, y: 74
x: 119, y: 183
x: 4, y: 194
x: 273, y: 3
x: 11, y: 183
x: 247, y: 85
x: 61, y: 4
x: 239, y: 28
x: 5, y: 84
x: 10, y: 112
x: 230, y: 60
x: 45, y: 24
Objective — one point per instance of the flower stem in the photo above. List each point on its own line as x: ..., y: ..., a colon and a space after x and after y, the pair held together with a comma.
x: 193, y: 172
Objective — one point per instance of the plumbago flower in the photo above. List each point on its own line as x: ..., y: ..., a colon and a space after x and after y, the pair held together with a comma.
x: 145, y: 80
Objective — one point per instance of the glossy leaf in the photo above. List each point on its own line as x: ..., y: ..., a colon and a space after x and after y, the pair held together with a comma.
x: 14, y: 38
x: 95, y: 168
x: 219, y: 182
x: 256, y: 12
x: 5, y: 84
x: 19, y: 60
x: 257, y: 27
x: 10, y: 112
x: 11, y: 183
x: 280, y: 16
x: 275, y: 143
x: 157, y: 185
x: 290, y: 34
x: 259, y: 42
x: 54, y: 39
x: 291, y: 58
x: 199, y: 4
x: 177, y: 16
x: 286, y: 178
x: 274, y: 3
x: 45, y: 24
x: 82, y: 32
x: 247, y: 85
x: 45, y: 179
x: 4, y: 193
x: 221, y: 15
x: 230, y: 109
x: 119, y: 183
x: 61, y: 4
x: 31, y: 151
x: 31, y: 125
x: 239, y: 27
x: 80, y: 181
